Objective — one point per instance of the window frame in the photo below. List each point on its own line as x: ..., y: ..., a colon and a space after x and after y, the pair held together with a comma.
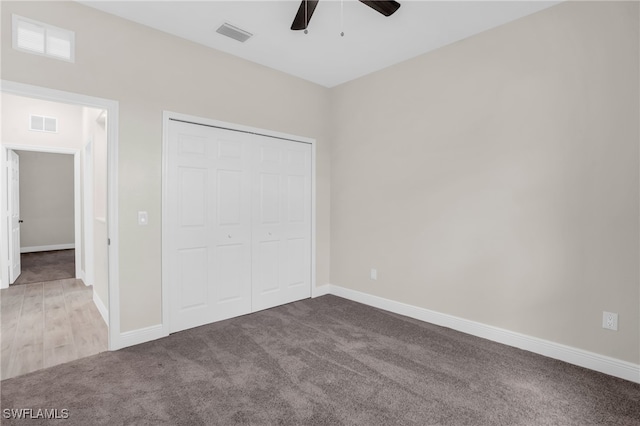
x: 15, y: 25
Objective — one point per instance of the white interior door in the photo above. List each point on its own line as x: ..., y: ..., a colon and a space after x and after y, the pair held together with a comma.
x: 13, y: 207
x: 281, y: 231
x: 210, y: 229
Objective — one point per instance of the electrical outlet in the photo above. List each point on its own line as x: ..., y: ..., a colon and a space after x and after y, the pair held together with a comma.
x: 610, y: 321
x: 374, y: 274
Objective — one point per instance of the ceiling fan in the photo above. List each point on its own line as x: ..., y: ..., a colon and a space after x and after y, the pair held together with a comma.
x: 305, y: 11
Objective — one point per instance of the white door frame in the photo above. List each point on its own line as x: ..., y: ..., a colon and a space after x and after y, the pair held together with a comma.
x: 112, y: 107
x: 166, y: 117
x: 76, y: 194
x: 87, y: 201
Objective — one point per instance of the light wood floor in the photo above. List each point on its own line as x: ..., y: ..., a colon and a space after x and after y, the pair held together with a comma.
x: 45, y: 324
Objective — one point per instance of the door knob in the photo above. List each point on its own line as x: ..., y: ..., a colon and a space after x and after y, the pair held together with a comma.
x: 20, y: 221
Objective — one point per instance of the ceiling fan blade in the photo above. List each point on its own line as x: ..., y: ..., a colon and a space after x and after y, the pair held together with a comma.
x: 387, y: 8
x: 305, y: 11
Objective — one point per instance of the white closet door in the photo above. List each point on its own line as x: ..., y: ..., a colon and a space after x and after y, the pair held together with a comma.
x: 281, y: 231
x: 209, y: 198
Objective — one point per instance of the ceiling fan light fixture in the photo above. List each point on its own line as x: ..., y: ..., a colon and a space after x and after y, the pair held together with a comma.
x: 234, y: 32
x: 307, y: 7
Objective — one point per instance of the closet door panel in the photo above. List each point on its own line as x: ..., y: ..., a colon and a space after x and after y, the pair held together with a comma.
x: 297, y: 220
x: 231, y: 239
x: 239, y: 223
x: 281, y: 233
x: 267, y: 267
x: 297, y: 264
x: 194, y: 291
x: 208, y: 186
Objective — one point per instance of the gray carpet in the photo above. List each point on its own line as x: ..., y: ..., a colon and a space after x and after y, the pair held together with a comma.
x: 325, y: 361
x: 47, y: 266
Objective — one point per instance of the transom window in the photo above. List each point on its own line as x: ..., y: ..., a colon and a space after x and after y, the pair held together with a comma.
x: 42, y: 39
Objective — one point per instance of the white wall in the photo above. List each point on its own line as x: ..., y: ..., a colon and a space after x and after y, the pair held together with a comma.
x: 46, y: 200
x: 15, y: 127
x: 15, y: 122
x: 76, y: 125
x: 497, y: 179
x: 40, y: 229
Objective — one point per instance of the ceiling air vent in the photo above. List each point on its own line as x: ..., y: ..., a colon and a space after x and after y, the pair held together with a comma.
x: 234, y: 32
x: 39, y: 123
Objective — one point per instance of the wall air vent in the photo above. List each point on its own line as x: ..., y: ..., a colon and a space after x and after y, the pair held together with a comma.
x: 42, y: 39
x: 40, y: 123
x: 234, y: 32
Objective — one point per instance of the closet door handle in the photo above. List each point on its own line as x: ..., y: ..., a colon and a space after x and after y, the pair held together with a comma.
x: 20, y: 221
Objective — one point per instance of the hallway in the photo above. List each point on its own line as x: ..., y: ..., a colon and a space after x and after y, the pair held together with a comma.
x: 38, y: 267
x: 48, y: 323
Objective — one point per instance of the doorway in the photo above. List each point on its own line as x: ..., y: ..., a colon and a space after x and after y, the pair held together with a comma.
x: 107, y: 312
x: 46, y: 237
x: 46, y: 230
x: 48, y: 319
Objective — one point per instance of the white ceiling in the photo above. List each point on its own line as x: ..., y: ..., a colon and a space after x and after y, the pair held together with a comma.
x: 371, y: 41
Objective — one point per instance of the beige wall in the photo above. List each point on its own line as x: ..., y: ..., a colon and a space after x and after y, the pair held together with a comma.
x: 15, y: 119
x: 496, y: 179
x: 147, y: 72
x: 46, y: 199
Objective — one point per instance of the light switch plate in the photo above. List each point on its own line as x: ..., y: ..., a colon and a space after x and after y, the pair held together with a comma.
x: 143, y: 218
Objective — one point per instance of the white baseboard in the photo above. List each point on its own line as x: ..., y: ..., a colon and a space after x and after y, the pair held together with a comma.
x: 34, y: 249
x: 104, y: 312
x: 604, y: 364
x: 320, y: 290
x: 142, y: 335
